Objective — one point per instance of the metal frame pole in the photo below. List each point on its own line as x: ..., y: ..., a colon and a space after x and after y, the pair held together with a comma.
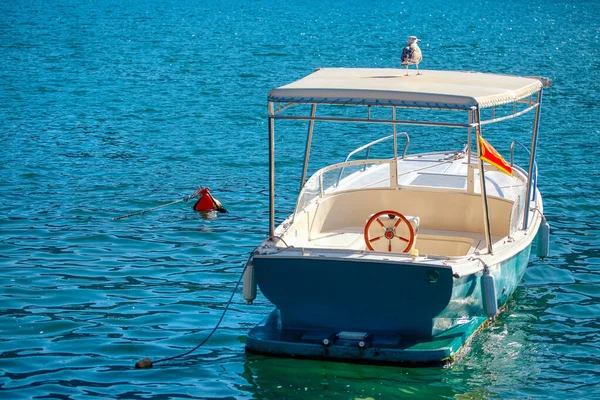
x: 470, y: 169
x: 394, y: 164
x: 311, y: 125
x: 395, y: 140
x: 372, y: 121
x: 534, y: 140
x: 271, y: 124
x: 470, y: 119
x: 485, y: 208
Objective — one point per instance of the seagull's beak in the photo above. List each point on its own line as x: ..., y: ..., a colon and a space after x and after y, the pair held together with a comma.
x: 418, y: 40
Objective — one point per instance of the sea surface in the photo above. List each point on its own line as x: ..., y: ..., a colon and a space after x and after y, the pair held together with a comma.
x: 108, y: 107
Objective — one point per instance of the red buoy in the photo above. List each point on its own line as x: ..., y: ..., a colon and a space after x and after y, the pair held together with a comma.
x: 208, y: 203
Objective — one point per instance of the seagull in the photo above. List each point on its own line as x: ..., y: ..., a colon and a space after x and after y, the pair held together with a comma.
x: 411, y: 54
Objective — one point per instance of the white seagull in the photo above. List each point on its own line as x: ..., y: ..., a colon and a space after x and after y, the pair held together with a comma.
x: 411, y: 54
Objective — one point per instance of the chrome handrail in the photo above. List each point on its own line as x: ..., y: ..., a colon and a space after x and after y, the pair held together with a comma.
x: 535, y: 170
x: 319, y: 175
x: 368, y: 147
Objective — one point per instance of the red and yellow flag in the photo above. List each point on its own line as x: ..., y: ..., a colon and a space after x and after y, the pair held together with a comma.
x: 490, y: 155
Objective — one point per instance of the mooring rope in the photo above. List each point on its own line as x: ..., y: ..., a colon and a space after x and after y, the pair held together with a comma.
x: 147, y: 363
x: 145, y: 211
x: 186, y: 198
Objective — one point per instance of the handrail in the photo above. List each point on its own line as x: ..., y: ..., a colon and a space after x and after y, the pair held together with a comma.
x: 535, y: 169
x: 515, y: 114
x: 368, y: 147
x: 316, y: 185
x: 319, y: 175
x: 512, y: 147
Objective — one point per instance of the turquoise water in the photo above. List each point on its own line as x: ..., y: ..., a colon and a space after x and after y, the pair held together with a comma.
x: 108, y: 107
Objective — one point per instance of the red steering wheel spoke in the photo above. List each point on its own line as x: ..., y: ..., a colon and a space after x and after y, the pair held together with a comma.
x: 388, y: 231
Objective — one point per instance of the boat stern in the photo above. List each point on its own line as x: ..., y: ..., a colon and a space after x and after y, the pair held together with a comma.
x: 354, y: 294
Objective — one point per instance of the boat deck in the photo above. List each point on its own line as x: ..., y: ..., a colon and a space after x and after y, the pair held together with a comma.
x: 433, y: 189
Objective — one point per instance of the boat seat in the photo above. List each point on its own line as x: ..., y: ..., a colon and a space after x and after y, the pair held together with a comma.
x: 349, y: 238
x: 449, y: 243
x: 437, y: 210
x: 450, y: 224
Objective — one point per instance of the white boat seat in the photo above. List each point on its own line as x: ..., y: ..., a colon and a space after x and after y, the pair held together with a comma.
x: 449, y: 243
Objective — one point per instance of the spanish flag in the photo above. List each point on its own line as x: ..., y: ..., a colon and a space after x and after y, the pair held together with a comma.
x: 490, y: 155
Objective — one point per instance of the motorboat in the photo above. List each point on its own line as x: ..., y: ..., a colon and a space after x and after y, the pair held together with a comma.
x: 402, y: 258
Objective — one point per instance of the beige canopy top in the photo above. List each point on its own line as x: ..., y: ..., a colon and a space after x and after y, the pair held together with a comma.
x: 451, y: 90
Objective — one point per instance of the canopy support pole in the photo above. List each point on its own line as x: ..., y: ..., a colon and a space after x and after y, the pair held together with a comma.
x: 470, y: 168
x: 534, y: 140
x: 394, y: 164
x: 271, y: 110
x: 311, y: 125
x: 485, y: 208
x: 470, y: 119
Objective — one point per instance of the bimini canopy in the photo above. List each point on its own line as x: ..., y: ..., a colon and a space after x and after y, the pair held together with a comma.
x: 451, y: 90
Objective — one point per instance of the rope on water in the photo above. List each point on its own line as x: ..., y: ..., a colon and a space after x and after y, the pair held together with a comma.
x: 147, y: 363
x: 145, y: 211
x: 186, y: 198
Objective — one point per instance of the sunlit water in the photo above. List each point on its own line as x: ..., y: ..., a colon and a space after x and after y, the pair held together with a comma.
x: 108, y: 107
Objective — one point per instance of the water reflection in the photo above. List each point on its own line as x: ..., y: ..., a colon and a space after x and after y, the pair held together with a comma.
x: 276, y: 378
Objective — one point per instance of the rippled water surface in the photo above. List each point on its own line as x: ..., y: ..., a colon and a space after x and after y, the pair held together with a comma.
x: 108, y: 107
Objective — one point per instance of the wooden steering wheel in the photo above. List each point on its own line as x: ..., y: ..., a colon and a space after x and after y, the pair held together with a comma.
x: 388, y: 224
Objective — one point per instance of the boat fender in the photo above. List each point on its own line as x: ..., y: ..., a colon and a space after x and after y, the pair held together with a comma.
x: 490, y: 302
x: 249, y: 283
x: 543, y: 239
x: 208, y: 203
